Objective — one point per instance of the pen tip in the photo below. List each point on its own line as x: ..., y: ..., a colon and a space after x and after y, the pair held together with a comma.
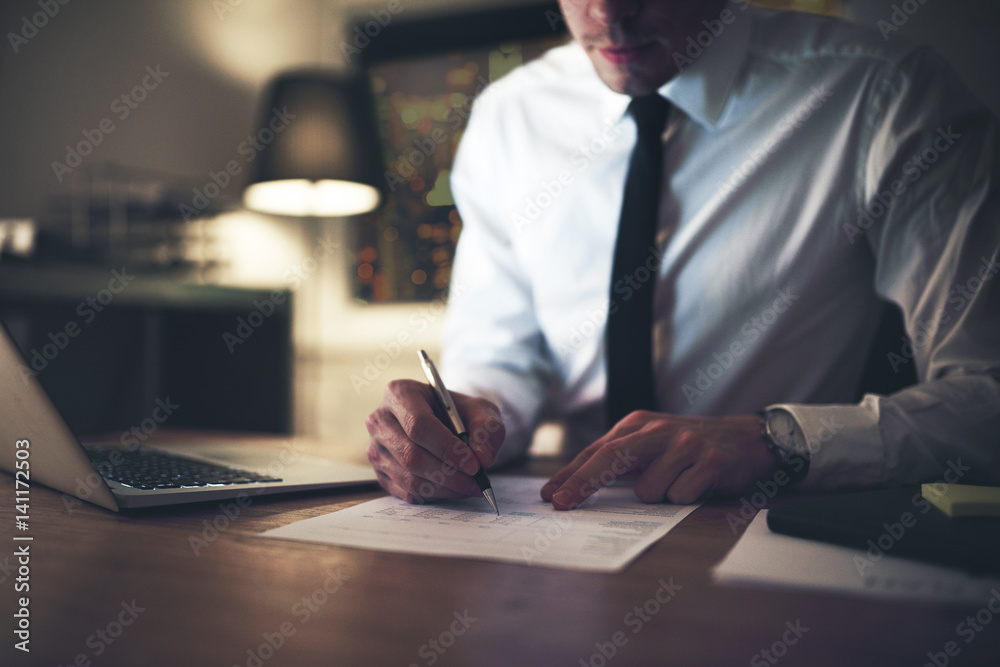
x: 492, y: 500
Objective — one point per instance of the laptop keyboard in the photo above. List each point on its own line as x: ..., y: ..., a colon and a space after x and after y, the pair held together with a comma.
x: 149, y: 469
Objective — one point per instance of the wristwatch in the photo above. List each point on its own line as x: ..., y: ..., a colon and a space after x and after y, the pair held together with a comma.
x: 786, y: 440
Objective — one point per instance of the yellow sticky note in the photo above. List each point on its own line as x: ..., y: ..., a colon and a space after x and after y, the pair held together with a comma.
x: 963, y: 499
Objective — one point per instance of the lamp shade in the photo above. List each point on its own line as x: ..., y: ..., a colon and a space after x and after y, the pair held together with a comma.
x: 316, y: 148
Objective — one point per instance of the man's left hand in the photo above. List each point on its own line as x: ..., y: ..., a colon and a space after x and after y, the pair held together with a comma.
x: 681, y: 459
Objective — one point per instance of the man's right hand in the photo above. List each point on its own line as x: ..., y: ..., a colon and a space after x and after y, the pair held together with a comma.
x: 415, y: 455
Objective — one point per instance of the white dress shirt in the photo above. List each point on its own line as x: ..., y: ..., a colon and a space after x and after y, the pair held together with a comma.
x: 812, y: 168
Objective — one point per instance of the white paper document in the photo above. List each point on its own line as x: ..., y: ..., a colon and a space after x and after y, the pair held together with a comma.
x: 603, y: 535
x: 764, y: 558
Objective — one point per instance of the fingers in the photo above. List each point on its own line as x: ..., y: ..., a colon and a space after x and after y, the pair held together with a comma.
x: 415, y: 489
x: 662, y: 481
x: 408, y: 471
x: 415, y: 455
x: 411, y: 402
x: 679, y: 460
x: 690, y: 485
x: 486, y: 429
x: 627, y: 425
x: 560, y: 477
x: 673, y: 457
x: 410, y: 455
x: 596, y: 472
x: 416, y: 492
x: 563, y: 475
x: 714, y: 455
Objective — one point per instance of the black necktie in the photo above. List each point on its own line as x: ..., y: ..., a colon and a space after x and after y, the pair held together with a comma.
x: 629, y: 338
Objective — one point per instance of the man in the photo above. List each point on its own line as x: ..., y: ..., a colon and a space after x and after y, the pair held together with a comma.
x: 811, y: 171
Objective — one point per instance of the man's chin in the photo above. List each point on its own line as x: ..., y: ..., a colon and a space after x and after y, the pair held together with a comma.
x: 633, y: 83
x: 636, y: 79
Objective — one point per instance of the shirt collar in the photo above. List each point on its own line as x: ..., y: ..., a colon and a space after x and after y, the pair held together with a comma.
x: 703, y: 87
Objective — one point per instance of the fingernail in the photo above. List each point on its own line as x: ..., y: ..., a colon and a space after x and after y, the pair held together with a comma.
x: 562, y: 498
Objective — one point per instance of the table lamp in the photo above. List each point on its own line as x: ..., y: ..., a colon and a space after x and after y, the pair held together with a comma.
x: 317, y: 148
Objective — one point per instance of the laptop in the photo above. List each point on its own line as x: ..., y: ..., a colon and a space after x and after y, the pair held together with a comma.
x: 118, y: 476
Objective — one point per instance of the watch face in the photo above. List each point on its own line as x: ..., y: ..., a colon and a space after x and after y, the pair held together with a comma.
x: 786, y: 431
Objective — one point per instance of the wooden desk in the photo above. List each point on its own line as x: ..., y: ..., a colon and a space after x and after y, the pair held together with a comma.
x: 217, y: 606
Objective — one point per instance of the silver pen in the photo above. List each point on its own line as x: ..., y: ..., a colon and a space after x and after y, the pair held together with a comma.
x: 457, y: 425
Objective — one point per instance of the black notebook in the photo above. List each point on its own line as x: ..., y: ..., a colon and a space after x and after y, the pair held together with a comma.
x: 894, y: 522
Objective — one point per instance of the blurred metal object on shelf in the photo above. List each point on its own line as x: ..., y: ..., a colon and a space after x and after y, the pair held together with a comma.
x: 121, y: 214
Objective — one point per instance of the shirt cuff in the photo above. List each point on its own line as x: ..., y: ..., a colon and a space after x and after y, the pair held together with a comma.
x: 845, y: 444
